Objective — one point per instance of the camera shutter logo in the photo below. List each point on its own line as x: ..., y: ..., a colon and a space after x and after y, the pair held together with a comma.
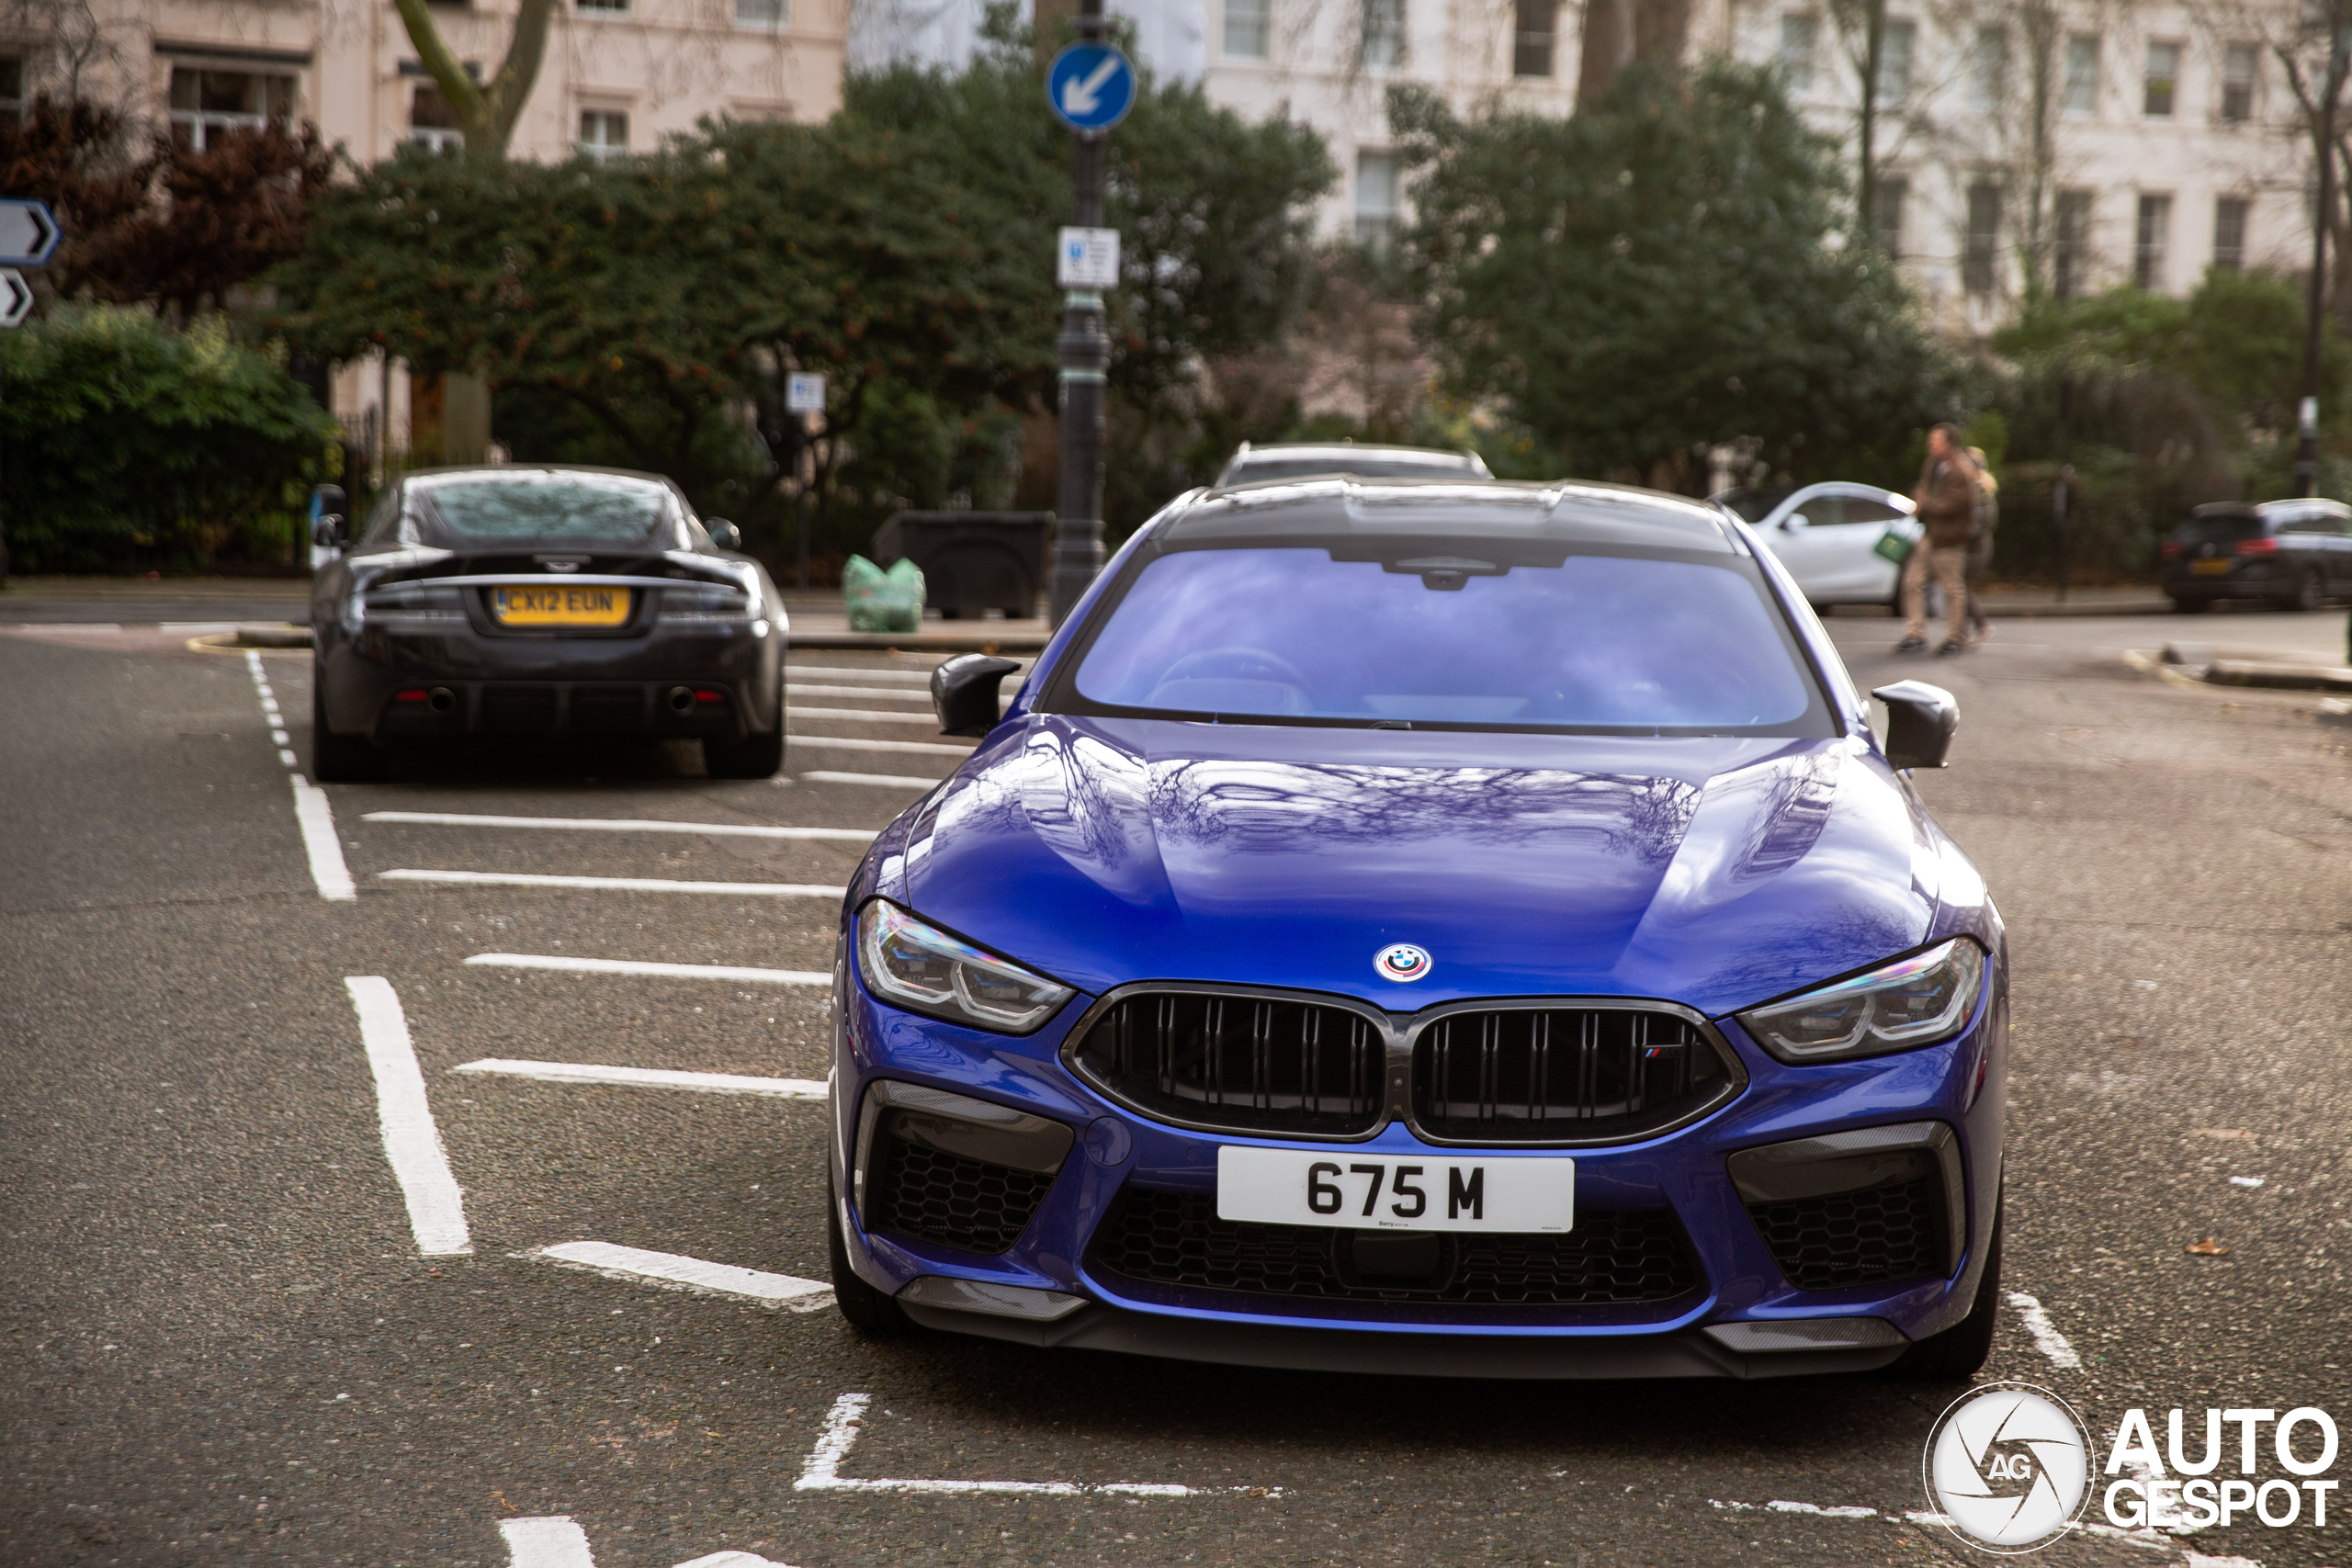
x: 1402, y: 962
x: 2009, y: 1466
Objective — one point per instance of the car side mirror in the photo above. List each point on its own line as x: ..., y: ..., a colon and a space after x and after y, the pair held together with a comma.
x: 1794, y: 521
x: 1920, y: 719
x: 331, y: 497
x: 723, y: 534
x: 964, y: 693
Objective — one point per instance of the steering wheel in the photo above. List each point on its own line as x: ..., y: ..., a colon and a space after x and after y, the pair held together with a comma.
x: 1234, y: 663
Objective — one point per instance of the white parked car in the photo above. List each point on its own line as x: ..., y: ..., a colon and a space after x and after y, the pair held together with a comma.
x: 1828, y: 536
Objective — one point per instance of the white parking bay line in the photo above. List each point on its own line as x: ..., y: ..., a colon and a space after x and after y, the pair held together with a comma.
x: 863, y: 716
x: 797, y: 689
x: 648, y: 1077
x: 615, y: 884
x: 2046, y: 1338
x: 554, y: 1540
x: 892, y: 781
x: 928, y: 748
x: 436, y: 1211
x: 328, y: 874
x: 669, y: 1270
x: 823, y: 1471
x: 792, y: 669
x: 625, y: 825
x: 659, y: 971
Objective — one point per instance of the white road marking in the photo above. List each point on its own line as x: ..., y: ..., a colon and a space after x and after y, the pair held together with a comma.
x: 288, y: 757
x: 661, y: 970
x: 734, y: 1559
x: 2142, y: 1538
x: 436, y: 1210
x: 893, y: 781
x: 792, y: 669
x: 328, y: 872
x: 929, y: 748
x: 669, y: 1270
x: 862, y: 692
x: 551, y: 1541
x: 625, y: 825
x: 192, y: 628
x: 649, y: 1077
x: 616, y: 883
x: 822, y: 1472
x: 862, y: 716
x: 2046, y: 1338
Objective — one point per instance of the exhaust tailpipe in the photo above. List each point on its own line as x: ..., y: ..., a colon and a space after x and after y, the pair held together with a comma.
x: 680, y: 699
x: 442, y: 700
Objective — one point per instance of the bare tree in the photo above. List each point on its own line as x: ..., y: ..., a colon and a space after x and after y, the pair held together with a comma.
x: 486, y: 111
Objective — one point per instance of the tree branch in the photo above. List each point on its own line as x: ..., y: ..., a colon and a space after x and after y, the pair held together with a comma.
x: 447, y: 72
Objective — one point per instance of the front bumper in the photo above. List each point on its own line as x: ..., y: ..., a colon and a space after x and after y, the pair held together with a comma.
x: 1947, y: 1100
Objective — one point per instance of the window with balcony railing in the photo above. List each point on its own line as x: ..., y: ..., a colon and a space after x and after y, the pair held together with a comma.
x: 604, y: 135
x: 433, y: 120
x: 207, y: 104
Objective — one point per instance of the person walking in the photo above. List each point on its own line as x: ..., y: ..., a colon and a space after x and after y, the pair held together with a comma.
x: 1947, y: 502
x: 1986, y: 519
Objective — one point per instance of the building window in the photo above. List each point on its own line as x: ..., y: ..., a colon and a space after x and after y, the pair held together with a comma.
x: 1533, y: 38
x: 432, y: 121
x: 2238, y: 61
x: 762, y: 14
x: 1375, y: 199
x: 2148, y: 242
x: 2073, y: 256
x: 1895, y: 59
x: 604, y: 135
x: 2082, y: 74
x: 12, y: 86
x: 1800, y: 36
x: 601, y: 8
x: 2161, y: 82
x: 1247, y: 26
x: 1988, y: 72
x: 1382, y: 41
x: 1980, y: 263
x: 1887, y: 194
x: 207, y: 105
x: 2228, y: 233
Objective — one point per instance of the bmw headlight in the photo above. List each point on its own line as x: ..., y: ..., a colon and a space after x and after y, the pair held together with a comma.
x: 1900, y: 1005
x: 925, y: 970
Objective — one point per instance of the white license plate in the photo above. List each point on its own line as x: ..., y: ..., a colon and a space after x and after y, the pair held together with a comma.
x: 1408, y: 1192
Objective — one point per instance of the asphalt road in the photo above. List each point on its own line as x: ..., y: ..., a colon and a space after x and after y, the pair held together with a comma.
x: 224, y: 1344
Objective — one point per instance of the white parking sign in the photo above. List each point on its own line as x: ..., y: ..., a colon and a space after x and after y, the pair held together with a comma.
x: 804, y: 393
x: 1088, y: 258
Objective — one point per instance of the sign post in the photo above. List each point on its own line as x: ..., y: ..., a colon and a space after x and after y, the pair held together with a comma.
x: 1091, y: 85
x: 28, y: 236
x: 804, y: 394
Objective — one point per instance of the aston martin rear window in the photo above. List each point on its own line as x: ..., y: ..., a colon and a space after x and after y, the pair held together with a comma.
x: 527, y: 505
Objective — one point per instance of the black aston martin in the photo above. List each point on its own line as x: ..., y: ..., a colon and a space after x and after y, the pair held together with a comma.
x: 556, y: 601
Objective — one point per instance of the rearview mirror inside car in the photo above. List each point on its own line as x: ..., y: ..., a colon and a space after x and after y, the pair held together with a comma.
x: 964, y: 693
x: 1920, y: 719
x: 723, y: 534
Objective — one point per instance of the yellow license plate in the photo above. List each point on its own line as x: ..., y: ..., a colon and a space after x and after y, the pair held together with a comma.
x: 2217, y: 566
x: 560, y: 606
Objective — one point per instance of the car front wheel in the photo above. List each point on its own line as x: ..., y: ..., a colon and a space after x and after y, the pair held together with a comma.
x: 872, y: 1313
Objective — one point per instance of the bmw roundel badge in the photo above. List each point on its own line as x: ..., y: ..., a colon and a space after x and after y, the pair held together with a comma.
x: 1401, y: 962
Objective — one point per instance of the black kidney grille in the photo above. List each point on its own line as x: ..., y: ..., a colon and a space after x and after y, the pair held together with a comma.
x: 1891, y: 1232
x: 1539, y: 1074
x: 914, y: 1190
x: 1254, y: 1064
x: 1623, y: 1257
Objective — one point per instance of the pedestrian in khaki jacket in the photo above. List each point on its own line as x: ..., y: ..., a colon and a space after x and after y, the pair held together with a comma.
x: 1947, y: 502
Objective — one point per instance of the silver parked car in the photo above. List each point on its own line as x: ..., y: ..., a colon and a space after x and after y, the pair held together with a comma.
x: 1297, y: 459
x: 1829, y: 537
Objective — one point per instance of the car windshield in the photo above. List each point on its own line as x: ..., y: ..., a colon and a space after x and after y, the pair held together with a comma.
x: 549, y: 505
x: 1442, y: 638
x: 1256, y: 469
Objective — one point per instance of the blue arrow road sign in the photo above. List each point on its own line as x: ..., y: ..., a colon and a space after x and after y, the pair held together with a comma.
x: 1092, y: 87
x: 28, y: 231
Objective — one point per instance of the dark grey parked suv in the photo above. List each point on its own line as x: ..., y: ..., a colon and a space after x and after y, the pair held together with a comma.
x: 2296, y: 554
x: 543, y: 602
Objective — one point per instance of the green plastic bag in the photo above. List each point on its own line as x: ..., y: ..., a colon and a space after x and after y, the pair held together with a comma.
x: 883, y: 600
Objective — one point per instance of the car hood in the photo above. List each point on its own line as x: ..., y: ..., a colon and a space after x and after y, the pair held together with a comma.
x: 1713, y: 872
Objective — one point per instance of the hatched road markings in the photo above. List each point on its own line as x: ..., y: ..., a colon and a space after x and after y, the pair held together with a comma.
x: 648, y: 1077
x: 616, y: 883
x: 692, y: 1274
x: 625, y: 825
x: 659, y: 971
x: 823, y: 1471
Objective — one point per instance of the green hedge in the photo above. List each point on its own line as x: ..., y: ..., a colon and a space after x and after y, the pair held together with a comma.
x: 130, y: 443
